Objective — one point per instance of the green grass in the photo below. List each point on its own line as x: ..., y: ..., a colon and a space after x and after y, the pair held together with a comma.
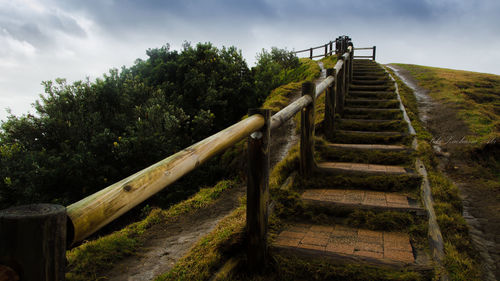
x: 372, y: 138
x: 327, y: 153
x: 307, y: 71
x: 476, y: 96
x: 209, y: 254
x: 353, y: 125
x: 377, y: 183
x: 90, y: 260
x: 329, y: 62
x: 460, y: 258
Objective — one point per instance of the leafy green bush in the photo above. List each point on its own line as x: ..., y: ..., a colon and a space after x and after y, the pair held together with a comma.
x: 87, y: 135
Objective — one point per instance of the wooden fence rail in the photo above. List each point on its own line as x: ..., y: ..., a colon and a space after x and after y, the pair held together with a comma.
x: 374, y: 50
x: 88, y: 215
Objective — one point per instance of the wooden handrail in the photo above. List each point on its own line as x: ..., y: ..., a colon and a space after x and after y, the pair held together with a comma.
x: 95, y: 211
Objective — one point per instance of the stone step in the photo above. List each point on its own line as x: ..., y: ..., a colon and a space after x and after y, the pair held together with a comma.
x: 371, y: 87
x: 372, y: 82
x: 371, y: 94
x: 364, y: 109
x: 367, y: 68
x: 342, y: 244
x: 370, y: 78
x: 382, y: 147
x: 349, y: 199
x: 371, y: 103
x: 368, y: 137
x: 372, y: 113
x: 361, y: 168
x: 374, y: 71
x: 371, y: 125
x: 379, y: 73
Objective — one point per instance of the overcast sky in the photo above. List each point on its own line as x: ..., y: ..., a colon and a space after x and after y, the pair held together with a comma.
x: 74, y: 39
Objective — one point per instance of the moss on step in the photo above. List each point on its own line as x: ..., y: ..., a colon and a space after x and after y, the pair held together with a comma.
x: 378, y: 182
x: 392, y: 114
x: 295, y: 268
x: 356, y: 137
x: 355, y: 125
x: 373, y: 95
x: 373, y: 103
x: 326, y: 153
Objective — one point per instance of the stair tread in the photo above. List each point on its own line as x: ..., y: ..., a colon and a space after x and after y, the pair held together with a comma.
x: 386, y: 147
x: 349, y: 244
x: 363, y: 199
x: 369, y: 100
x: 371, y: 132
x: 361, y: 168
x: 371, y: 109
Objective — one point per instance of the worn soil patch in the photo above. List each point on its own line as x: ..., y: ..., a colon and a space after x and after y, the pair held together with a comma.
x: 481, y: 204
x: 164, y: 244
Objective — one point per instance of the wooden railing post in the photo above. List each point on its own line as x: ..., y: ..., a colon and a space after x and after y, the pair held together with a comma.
x: 331, y: 48
x: 311, y: 53
x: 374, y: 51
x: 258, y: 192
x: 330, y: 105
x: 339, y: 91
x: 326, y: 50
x: 307, y: 132
x: 347, y: 70
x: 352, y: 64
x: 33, y: 242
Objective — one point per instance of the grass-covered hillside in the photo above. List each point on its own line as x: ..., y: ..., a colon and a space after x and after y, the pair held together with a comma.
x: 462, y: 151
x: 475, y: 96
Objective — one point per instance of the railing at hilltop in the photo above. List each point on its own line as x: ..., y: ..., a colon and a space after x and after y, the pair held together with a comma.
x: 341, y: 44
x: 34, y: 238
x: 374, y: 49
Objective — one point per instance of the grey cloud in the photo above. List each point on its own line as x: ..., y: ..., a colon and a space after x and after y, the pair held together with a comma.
x: 38, y: 28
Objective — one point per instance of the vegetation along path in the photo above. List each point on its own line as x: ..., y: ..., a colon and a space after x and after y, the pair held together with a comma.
x: 165, y: 244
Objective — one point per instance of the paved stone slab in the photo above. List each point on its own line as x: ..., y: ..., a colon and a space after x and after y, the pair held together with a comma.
x: 360, y: 198
x: 368, y: 146
x: 361, y: 168
x: 338, y: 239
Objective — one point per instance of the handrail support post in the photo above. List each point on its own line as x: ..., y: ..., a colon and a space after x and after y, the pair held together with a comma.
x: 330, y: 105
x: 33, y: 242
x: 307, y: 163
x: 258, y: 192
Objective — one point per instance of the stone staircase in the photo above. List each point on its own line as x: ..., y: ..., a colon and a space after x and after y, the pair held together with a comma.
x: 364, y: 169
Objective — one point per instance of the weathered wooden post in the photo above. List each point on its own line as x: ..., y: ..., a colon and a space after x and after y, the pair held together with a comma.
x: 311, y: 53
x: 326, y: 50
x: 352, y: 62
x: 339, y: 80
x: 33, y: 242
x: 344, y: 83
x: 330, y: 105
x: 331, y: 48
x: 258, y: 192
x: 347, y: 64
x: 307, y: 131
x: 374, y: 50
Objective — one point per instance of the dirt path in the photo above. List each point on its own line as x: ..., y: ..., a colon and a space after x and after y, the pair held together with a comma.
x: 166, y: 244
x: 481, y: 207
